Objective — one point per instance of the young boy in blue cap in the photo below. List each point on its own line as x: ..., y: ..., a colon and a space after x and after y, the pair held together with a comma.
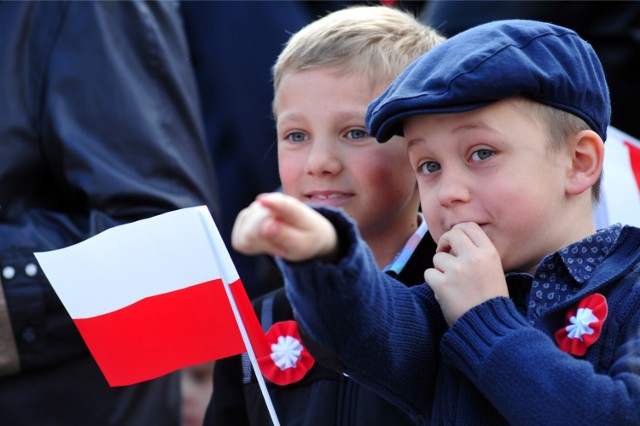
x: 529, y: 315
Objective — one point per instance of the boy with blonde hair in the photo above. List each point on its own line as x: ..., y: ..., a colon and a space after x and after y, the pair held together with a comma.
x: 324, y: 80
x: 529, y: 315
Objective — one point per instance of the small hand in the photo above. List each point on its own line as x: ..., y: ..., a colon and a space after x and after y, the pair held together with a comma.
x: 467, y: 271
x: 283, y: 226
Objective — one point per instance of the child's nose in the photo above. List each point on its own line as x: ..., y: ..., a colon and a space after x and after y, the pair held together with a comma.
x: 454, y: 187
x: 324, y: 158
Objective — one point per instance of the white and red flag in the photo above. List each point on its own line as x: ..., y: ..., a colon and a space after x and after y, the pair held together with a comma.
x: 155, y: 295
x: 620, y: 195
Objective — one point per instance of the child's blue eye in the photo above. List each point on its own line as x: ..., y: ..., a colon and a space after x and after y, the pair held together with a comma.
x: 482, y: 154
x: 357, y: 134
x: 429, y: 167
x: 297, y: 137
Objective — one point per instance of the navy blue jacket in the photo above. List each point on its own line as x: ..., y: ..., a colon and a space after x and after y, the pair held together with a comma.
x: 99, y: 126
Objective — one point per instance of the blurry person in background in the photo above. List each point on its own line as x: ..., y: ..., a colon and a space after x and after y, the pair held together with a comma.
x: 196, y: 387
x: 99, y: 126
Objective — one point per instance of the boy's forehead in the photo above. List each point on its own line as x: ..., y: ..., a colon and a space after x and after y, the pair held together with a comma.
x: 331, y: 89
x: 543, y: 62
x: 496, y: 120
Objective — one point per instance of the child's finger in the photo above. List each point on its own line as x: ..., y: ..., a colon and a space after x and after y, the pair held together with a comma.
x: 281, y: 225
x: 287, y: 209
x: 475, y: 233
x: 307, y: 240
x: 246, y: 231
x: 443, y: 261
x: 454, y: 241
x: 463, y: 236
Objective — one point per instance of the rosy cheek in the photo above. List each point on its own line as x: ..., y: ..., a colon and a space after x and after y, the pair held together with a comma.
x: 432, y: 216
x: 436, y: 234
x: 289, y: 172
x: 378, y: 172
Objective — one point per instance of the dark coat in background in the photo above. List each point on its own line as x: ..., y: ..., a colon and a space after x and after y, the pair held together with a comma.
x: 99, y: 125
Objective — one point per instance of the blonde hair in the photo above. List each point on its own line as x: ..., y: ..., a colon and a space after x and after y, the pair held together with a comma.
x: 560, y: 126
x: 375, y: 41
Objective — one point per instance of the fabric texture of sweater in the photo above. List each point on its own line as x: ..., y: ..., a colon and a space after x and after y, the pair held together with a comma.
x: 492, y: 366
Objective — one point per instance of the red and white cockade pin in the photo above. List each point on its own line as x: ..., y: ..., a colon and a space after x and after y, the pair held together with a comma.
x: 289, y: 361
x: 584, y: 324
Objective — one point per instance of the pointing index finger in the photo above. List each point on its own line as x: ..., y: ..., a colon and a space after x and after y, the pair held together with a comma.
x: 285, y: 208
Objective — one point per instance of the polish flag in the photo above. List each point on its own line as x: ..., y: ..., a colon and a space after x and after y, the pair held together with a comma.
x: 620, y: 192
x: 155, y: 295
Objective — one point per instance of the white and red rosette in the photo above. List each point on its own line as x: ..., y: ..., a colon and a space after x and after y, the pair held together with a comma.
x: 289, y: 361
x: 583, y: 326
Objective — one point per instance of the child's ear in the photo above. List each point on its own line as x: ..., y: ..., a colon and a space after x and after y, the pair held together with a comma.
x: 587, y: 151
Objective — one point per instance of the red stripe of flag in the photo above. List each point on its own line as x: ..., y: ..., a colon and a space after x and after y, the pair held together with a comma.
x: 634, y: 158
x: 168, y: 326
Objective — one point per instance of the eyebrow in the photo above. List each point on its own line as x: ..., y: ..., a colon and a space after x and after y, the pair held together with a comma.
x: 480, y: 126
x: 288, y: 117
x: 473, y: 126
x: 340, y: 114
x: 413, y: 142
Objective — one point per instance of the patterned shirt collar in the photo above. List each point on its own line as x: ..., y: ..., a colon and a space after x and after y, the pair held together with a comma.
x: 403, y: 256
x: 560, y: 275
x: 582, y: 257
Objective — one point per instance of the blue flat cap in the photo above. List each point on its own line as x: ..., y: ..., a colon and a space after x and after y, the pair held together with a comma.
x: 540, y: 61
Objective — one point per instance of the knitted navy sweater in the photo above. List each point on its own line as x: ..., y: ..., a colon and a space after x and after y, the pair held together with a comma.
x: 494, y: 365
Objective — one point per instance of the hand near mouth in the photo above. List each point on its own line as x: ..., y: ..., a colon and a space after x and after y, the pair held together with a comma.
x: 467, y: 271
